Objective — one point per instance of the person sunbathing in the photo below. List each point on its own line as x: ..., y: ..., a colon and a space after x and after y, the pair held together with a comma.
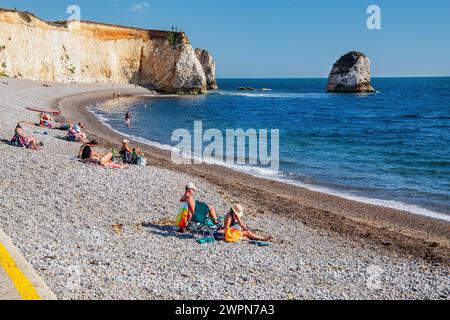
x: 75, y: 134
x: 45, y: 117
x: 198, y: 210
x: 25, y: 140
x: 235, y: 228
x: 45, y: 121
x: 88, y: 155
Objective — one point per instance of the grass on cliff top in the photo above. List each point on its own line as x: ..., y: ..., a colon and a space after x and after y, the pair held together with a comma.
x: 174, y: 38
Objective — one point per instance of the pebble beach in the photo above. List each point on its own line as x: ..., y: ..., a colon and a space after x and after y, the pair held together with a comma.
x: 96, y: 233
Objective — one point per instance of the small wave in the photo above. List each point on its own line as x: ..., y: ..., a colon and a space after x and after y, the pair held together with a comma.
x: 414, y: 209
x: 440, y: 118
x: 411, y: 116
x: 269, y: 174
x: 273, y: 95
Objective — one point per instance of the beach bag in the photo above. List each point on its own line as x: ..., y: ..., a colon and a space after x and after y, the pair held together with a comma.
x: 183, y: 217
x: 141, y: 161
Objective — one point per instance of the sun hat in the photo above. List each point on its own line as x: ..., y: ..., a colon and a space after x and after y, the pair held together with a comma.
x: 238, y: 210
x: 125, y: 141
x: 191, y: 186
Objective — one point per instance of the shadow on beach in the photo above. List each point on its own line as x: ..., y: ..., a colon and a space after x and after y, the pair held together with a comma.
x: 167, y: 231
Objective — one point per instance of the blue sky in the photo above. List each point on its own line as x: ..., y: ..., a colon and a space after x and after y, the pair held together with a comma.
x: 285, y: 38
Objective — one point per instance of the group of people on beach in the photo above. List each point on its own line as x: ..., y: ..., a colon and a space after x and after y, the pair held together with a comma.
x: 74, y: 134
x: 20, y: 138
x: 233, y: 228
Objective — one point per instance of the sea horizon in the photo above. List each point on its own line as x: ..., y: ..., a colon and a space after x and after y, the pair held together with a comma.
x: 326, y: 77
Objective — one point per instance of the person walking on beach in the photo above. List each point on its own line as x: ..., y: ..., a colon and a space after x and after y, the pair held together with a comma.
x: 235, y: 228
x: 198, y: 210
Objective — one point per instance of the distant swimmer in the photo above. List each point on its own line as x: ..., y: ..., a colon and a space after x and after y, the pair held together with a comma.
x: 128, y: 117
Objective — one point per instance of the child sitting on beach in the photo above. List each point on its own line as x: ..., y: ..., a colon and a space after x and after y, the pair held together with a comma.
x: 235, y: 228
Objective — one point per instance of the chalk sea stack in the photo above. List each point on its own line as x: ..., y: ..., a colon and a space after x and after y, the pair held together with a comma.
x: 351, y: 74
x: 209, y: 67
x: 87, y: 52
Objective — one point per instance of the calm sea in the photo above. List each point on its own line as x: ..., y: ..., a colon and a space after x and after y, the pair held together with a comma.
x: 390, y: 148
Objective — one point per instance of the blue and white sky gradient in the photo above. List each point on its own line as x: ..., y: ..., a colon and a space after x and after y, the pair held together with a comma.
x: 284, y: 38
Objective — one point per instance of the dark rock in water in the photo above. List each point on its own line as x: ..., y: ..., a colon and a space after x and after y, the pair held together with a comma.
x: 351, y: 74
x: 247, y: 89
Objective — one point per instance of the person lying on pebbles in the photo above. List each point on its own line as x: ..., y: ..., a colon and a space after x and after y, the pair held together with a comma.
x: 198, y: 210
x: 25, y: 140
x: 88, y: 155
x: 235, y: 228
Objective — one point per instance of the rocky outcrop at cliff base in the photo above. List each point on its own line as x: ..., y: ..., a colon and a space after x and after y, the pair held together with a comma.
x: 209, y: 67
x: 351, y: 74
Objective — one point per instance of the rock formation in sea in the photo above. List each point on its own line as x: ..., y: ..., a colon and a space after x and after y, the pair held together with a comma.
x: 209, y: 66
x: 351, y: 74
x: 93, y: 52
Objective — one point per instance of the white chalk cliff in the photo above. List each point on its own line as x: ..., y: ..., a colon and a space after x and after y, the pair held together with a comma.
x: 93, y: 52
x: 351, y: 73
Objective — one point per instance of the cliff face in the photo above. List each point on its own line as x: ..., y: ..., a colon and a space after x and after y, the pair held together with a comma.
x: 351, y: 74
x: 91, y: 52
x: 209, y: 66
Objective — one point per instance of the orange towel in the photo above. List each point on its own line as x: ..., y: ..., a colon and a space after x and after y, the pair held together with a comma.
x: 233, y: 235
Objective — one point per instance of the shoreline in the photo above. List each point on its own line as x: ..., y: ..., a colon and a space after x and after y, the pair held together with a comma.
x: 386, y: 229
x: 385, y: 203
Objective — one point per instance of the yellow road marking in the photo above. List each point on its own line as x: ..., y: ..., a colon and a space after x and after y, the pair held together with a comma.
x: 20, y: 281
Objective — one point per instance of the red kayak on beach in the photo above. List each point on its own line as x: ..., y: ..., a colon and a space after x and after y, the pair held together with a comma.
x: 48, y: 111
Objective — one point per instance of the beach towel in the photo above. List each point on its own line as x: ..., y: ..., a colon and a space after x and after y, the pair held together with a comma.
x: 108, y: 166
x: 260, y: 243
x: 183, y: 217
x: 233, y: 235
x: 41, y: 110
x: 24, y: 141
x: 206, y: 240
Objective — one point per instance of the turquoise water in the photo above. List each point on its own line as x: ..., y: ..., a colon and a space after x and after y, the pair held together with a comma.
x: 390, y: 148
